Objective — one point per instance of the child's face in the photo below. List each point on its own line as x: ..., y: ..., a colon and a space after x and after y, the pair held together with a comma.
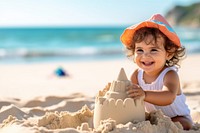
x: 151, y: 57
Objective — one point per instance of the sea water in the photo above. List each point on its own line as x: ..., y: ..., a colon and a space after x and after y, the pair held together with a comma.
x: 43, y: 44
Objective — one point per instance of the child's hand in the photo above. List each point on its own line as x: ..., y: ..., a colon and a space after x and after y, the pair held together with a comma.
x: 135, y: 91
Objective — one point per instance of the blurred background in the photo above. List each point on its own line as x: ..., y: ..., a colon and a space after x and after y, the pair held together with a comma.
x: 78, y: 30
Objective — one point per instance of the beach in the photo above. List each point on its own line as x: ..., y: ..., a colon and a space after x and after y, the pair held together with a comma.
x: 33, y: 99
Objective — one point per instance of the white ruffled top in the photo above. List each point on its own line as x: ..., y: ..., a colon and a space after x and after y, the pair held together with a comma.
x: 177, y: 108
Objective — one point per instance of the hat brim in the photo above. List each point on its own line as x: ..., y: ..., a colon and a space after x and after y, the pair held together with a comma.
x: 127, y: 35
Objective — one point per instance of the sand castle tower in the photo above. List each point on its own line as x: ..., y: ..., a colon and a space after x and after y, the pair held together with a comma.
x: 116, y: 105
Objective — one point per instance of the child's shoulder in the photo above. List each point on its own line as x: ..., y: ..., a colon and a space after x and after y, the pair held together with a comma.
x: 136, y: 71
x: 134, y: 75
x: 172, y: 69
x: 171, y: 74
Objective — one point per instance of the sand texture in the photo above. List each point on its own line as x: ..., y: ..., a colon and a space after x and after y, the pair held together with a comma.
x: 33, y: 100
x: 74, y: 114
x: 116, y: 104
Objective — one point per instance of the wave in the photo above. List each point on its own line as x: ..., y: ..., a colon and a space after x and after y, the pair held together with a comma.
x: 73, y: 43
x: 76, y: 52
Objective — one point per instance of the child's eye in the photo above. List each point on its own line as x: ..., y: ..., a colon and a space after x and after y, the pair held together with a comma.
x: 154, y: 50
x: 139, y: 51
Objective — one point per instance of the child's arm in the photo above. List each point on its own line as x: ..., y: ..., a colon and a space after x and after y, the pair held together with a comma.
x: 168, y: 93
x: 163, y: 97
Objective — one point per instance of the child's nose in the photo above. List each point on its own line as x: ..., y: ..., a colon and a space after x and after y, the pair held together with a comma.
x: 146, y: 54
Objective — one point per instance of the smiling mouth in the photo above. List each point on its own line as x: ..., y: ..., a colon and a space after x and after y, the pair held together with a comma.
x: 147, y: 63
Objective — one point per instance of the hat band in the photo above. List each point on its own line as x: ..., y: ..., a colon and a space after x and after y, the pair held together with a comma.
x: 167, y: 26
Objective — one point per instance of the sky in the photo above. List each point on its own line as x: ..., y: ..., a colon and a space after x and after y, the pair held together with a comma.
x: 23, y: 13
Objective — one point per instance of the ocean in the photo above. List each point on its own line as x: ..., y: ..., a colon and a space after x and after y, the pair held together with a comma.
x: 28, y: 45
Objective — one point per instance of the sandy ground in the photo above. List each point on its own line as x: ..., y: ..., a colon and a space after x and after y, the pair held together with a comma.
x: 33, y: 99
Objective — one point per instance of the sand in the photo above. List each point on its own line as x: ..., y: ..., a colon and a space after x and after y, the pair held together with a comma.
x: 113, y: 100
x: 34, y: 100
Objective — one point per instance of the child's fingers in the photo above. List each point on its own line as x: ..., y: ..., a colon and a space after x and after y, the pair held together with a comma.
x: 134, y: 95
x: 130, y: 91
x: 135, y: 92
x: 133, y: 86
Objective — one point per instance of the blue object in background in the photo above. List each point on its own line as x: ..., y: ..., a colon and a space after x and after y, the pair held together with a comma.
x: 60, y: 72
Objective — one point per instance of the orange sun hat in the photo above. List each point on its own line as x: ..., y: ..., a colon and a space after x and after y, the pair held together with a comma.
x: 156, y: 21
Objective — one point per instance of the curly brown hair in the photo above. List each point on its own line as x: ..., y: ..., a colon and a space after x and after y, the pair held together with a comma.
x: 170, y: 47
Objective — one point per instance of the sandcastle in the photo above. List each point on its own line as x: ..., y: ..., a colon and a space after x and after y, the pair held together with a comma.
x: 115, y: 104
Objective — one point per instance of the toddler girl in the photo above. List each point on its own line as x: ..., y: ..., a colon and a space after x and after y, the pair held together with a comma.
x: 156, y: 49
